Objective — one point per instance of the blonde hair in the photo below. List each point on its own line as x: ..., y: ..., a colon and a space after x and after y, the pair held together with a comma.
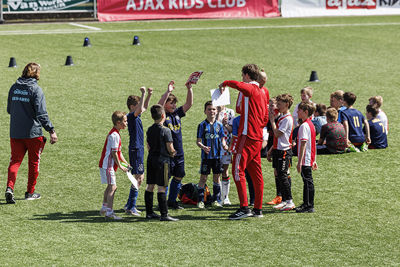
x: 376, y: 100
x: 117, y: 116
x: 31, y: 70
x: 307, y: 90
x: 338, y: 94
x: 332, y: 114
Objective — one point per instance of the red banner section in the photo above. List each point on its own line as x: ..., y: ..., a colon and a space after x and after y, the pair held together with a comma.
x: 112, y: 10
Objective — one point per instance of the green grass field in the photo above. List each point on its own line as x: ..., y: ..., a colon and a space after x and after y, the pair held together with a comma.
x: 357, y: 196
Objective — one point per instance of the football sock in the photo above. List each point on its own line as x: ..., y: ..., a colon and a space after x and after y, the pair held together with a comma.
x: 225, y: 187
x: 148, y: 199
x: 217, y: 191
x: 162, y: 203
x: 133, y: 193
x: 200, y: 191
x: 174, y: 188
x: 134, y: 198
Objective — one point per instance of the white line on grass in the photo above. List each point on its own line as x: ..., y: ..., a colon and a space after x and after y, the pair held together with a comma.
x: 69, y: 31
x: 85, y: 26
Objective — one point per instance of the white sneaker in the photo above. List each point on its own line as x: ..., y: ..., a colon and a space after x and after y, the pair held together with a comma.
x: 103, y: 211
x: 216, y: 204
x: 227, y: 201
x: 288, y: 206
x: 280, y: 206
x: 113, y: 216
x: 133, y: 212
x: 200, y: 205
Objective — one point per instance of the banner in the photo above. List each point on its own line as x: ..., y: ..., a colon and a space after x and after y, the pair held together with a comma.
x: 110, y: 10
x: 310, y: 8
x: 34, y: 6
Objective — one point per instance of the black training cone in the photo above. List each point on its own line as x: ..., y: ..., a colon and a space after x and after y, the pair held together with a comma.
x: 314, y: 76
x: 13, y: 63
x: 136, y: 40
x: 69, y: 61
x: 86, y: 42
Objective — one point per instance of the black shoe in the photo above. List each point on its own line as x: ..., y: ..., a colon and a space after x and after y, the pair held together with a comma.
x: 257, y: 213
x: 241, y: 213
x: 168, y: 218
x: 32, y: 196
x: 303, y: 209
x: 152, y: 216
x: 175, y: 206
x: 10, y: 196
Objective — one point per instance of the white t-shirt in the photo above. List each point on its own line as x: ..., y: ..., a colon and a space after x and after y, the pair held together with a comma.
x: 113, y: 143
x: 285, y: 125
x: 307, y: 133
x: 382, y: 116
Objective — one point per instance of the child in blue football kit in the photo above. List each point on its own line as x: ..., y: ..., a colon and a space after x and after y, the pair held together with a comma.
x: 211, y: 140
x: 173, y: 122
x: 377, y: 128
x: 136, y: 105
x: 353, y: 120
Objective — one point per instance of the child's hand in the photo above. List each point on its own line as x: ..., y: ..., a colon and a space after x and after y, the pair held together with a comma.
x: 171, y: 86
x: 149, y: 90
x: 299, y: 167
x: 368, y: 140
x: 314, y: 166
x: 123, y: 168
x: 188, y: 85
x: 269, y: 156
x: 221, y: 88
x: 142, y: 89
x: 206, y: 149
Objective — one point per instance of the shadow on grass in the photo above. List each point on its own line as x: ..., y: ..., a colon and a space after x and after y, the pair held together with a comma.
x: 190, y: 213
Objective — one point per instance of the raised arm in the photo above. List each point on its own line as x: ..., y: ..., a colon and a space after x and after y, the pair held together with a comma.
x: 189, y: 98
x: 245, y: 88
x: 165, y: 96
x: 140, y: 108
x: 147, y: 100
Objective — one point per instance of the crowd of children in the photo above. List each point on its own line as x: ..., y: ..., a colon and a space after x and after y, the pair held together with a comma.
x: 264, y: 128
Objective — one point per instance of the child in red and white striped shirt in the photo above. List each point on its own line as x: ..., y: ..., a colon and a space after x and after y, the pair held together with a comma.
x: 306, y: 155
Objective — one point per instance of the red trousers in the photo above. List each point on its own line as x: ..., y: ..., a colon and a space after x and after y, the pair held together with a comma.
x: 18, y: 150
x: 248, y: 157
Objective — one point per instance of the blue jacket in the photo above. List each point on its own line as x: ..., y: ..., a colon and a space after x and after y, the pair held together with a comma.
x: 27, y: 108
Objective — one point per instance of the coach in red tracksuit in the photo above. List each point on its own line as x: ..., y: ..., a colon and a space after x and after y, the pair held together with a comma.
x: 254, y: 110
x: 27, y: 108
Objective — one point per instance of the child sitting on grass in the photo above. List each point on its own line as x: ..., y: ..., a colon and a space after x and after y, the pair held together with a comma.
x: 377, y: 128
x: 353, y: 120
x: 319, y: 117
x: 378, y: 101
x: 332, y: 134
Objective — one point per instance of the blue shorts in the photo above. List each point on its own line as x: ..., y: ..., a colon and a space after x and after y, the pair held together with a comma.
x: 211, y: 164
x: 136, y: 160
x: 178, y: 166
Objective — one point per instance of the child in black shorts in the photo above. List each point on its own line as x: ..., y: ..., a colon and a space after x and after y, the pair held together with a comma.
x: 161, y: 149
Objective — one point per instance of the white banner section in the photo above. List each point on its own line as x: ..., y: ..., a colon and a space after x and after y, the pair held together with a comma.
x: 317, y: 8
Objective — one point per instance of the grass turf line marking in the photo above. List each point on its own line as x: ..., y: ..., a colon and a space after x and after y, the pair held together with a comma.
x: 85, y: 26
x: 69, y: 31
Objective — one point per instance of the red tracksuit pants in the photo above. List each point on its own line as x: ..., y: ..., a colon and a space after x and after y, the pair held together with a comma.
x: 34, y: 146
x: 248, y: 157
